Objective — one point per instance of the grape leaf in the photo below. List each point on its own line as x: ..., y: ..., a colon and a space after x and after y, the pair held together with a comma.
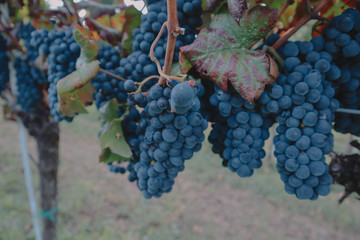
x: 236, y: 8
x: 42, y: 24
x: 289, y: 13
x: 75, y: 90
x: 185, y: 64
x: 112, y: 137
x: 219, y: 53
x: 132, y: 20
x: 109, y: 111
x: 104, y: 20
x: 212, y: 5
x: 334, y: 7
x: 89, y: 49
x: 126, y: 44
x: 106, y: 156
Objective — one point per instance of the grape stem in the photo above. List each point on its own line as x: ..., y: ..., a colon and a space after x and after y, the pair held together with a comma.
x: 151, y: 53
x: 112, y: 75
x: 72, y: 10
x: 7, y: 30
x: 114, y: 33
x: 173, y: 31
x: 154, y: 59
x: 302, y: 21
x: 143, y: 82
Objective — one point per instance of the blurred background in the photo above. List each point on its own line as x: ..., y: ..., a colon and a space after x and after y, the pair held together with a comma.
x: 207, y: 201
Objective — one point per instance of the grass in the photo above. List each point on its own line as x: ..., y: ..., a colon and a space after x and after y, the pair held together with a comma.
x: 207, y: 202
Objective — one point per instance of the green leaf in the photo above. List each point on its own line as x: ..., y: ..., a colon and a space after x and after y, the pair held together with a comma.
x: 112, y: 137
x: 185, y: 65
x: 219, y: 53
x: 109, y: 111
x: 106, y: 156
x: 132, y: 19
x: 89, y: 49
x: 175, y: 69
x: 75, y: 90
x: 126, y: 47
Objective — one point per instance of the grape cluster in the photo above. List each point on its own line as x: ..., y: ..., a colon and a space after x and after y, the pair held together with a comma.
x: 138, y: 65
x: 239, y: 134
x: 305, y: 119
x: 108, y: 87
x: 28, y: 77
x: 63, y: 53
x: 169, y: 139
x: 341, y: 38
x: 4, y: 59
x: 28, y: 94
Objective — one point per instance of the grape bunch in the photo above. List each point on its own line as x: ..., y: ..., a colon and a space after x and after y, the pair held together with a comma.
x: 28, y: 77
x: 108, y: 87
x: 4, y: 59
x: 239, y: 133
x: 304, y: 130
x: 138, y: 65
x: 63, y: 53
x: 341, y: 38
x: 170, y: 139
x: 28, y: 94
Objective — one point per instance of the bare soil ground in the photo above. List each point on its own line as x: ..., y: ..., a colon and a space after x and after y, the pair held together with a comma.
x: 207, y: 202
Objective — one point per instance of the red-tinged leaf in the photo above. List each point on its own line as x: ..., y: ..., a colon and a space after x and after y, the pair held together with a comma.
x: 185, y: 65
x: 104, y: 20
x: 335, y: 7
x: 75, y: 90
x: 42, y: 24
x: 300, y: 11
x: 237, y: 9
x: 89, y: 49
x: 253, y: 72
x: 219, y: 53
x: 118, y: 20
x: 287, y: 16
x: 212, y: 5
x: 110, y: 34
